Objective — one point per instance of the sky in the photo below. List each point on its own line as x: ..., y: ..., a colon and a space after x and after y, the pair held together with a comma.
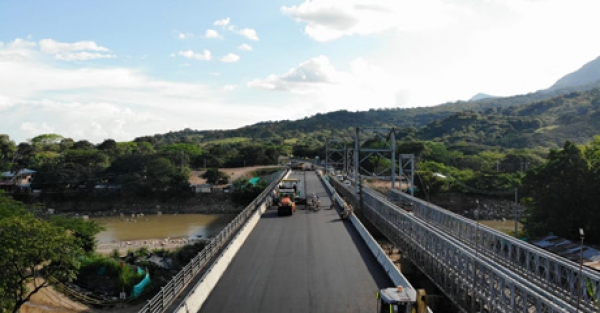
x: 113, y: 69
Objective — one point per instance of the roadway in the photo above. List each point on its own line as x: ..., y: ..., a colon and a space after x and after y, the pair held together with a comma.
x: 307, y: 262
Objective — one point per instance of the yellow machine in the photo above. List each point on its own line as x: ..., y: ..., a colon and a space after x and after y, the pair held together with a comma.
x: 289, y: 193
x: 401, y: 300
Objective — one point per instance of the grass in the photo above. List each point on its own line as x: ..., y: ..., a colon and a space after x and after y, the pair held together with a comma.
x: 231, y: 140
x: 507, y: 227
x: 545, y: 129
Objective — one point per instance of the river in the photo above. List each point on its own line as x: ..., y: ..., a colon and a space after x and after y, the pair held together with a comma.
x: 161, y: 226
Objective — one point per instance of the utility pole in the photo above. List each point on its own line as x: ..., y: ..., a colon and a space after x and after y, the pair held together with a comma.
x: 516, y: 213
x: 473, y: 298
x: 579, y: 280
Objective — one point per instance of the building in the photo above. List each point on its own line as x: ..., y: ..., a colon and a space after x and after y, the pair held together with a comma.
x: 19, y: 181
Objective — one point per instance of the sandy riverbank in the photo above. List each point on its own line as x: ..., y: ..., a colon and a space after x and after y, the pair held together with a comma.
x: 152, y: 244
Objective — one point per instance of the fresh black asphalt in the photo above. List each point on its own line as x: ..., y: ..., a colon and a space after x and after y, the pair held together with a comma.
x: 307, y: 262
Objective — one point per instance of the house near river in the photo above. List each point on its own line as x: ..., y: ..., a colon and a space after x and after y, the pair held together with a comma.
x: 19, y: 181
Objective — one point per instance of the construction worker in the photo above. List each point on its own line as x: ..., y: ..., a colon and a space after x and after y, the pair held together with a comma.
x: 347, y: 211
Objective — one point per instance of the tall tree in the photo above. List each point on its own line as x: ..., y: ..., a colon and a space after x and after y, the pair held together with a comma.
x: 7, y: 152
x: 84, y: 230
x: 46, y: 142
x: 561, y: 191
x: 31, y: 247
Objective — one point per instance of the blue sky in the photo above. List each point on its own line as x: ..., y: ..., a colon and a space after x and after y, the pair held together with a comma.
x: 122, y: 69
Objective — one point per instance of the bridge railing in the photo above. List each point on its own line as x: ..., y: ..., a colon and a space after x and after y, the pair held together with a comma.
x: 167, y: 294
x: 456, y: 270
x: 552, y: 272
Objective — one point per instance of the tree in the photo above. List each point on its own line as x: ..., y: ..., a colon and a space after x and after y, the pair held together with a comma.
x: 564, y: 195
x: 214, y: 176
x: 31, y: 247
x: 7, y: 151
x: 109, y: 146
x: 84, y: 230
x: 10, y: 207
x: 47, y: 142
x: 83, y: 145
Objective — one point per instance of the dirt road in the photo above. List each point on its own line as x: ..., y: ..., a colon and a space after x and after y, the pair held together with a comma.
x: 234, y: 173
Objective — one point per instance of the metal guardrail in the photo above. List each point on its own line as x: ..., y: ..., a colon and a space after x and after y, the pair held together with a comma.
x: 167, y: 294
x: 553, y: 273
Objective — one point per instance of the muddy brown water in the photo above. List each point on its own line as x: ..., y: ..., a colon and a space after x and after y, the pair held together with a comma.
x: 161, y: 226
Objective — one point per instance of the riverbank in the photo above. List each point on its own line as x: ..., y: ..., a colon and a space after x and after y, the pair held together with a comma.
x: 126, y: 246
x: 217, y: 203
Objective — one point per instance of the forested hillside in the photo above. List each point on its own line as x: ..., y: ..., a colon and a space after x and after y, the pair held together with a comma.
x: 491, y: 122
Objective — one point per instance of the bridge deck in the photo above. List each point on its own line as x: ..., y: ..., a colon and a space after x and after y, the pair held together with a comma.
x: 308, y: 262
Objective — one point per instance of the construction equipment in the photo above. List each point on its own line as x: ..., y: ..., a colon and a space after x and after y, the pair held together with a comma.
x: 401, y: 300
x: 300, y: 166
x: 290, y: 192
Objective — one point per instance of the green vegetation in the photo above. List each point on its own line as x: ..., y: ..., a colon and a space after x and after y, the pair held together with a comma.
x: 83, y: 230
x: 62, y: 248
x: 214, y: 176
x: 562, y: 194
x: 32, y: 248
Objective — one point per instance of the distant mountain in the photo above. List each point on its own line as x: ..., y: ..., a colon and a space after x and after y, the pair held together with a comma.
x: 481, y: 96
x: 547, y: 123
x: 589, y: 74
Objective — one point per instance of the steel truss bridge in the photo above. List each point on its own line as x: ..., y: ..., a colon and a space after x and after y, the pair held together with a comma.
x: 478, y: 268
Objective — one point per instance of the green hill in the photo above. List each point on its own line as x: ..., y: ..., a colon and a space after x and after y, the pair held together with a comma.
x: 492, y: 122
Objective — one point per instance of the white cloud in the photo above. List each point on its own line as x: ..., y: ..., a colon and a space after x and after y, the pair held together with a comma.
x: 21, y: 44
x: 184, y: 36
x: 189, y: 54
x: 304, y: 78
x: 108, y: 102
x: 230, y: 58
x: 4, y: 102
x: 317, y: 86
x: 249, y: 33
x: 82, y: 56
x: 223, y: 22
x: 211, y: 33
x: 460, y: 48
x: 245, y: 47
x: 331, y: 19
x: 50, y: 46
x: 33, y: 128
x: 81, y: 50
x: 228, y: 88
x: 99, y: 103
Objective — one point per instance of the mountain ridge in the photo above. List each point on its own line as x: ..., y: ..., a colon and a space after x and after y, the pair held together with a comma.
x: 568, y: 102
